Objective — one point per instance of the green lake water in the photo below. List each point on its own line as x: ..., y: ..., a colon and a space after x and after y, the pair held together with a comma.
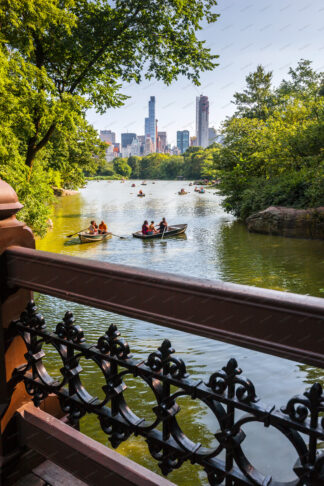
x: 215, y: 247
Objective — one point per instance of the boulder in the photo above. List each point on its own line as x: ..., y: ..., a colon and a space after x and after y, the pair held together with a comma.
x: 294, y: 223
x: 58, y: 191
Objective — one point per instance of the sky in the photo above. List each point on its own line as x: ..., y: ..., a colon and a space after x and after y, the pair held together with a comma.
x: 276, y: 34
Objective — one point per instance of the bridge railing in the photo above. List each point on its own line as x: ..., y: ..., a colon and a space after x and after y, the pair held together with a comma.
x: 286, y: 325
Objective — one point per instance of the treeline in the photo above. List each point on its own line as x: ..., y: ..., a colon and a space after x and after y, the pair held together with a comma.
x: 193, y: 164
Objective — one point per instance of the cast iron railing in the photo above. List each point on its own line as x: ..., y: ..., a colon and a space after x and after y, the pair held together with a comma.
x: 225, y: 393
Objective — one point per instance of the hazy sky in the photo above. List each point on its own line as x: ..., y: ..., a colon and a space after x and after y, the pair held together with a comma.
x: 276, y: 33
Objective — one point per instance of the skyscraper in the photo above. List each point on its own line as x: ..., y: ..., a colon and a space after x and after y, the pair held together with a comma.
x: 202, y: 120
x: 127, y: 138
x: 107, y: 136
x: 150, y: 122
x: 183, y: 140
x: 163, y: 141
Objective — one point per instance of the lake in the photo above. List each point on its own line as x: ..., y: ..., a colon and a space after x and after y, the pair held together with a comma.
x: 215, y: 247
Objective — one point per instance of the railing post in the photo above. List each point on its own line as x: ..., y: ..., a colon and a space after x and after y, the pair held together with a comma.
x: 12, y: 347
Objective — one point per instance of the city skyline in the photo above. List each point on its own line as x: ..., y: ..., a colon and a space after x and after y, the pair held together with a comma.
x: 276, y: 34
x: 154, y: 141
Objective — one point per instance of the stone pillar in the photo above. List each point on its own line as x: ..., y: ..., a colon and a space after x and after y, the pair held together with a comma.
x: 12, y: 348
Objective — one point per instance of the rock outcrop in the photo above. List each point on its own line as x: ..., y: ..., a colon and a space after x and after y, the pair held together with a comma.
x: 294, y: 223
x: 58, y: 191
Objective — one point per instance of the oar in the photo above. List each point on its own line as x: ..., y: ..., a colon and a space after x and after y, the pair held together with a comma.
x: 80, y: 231
x: 163, y: 232
x: 118, y: 236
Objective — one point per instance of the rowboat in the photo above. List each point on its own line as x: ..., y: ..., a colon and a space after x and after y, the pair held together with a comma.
x: 182, y: 193
x: 140, y: 195
x: 176, y: 229
x: 88, y: 238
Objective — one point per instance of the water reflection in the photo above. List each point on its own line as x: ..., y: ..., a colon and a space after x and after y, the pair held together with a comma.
x: 215, y: 247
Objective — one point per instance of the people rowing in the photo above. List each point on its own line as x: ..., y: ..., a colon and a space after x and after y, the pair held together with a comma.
x: 163, y: 226
x: 93, y: 228
x: 102, y: 228
x: 149, y: 229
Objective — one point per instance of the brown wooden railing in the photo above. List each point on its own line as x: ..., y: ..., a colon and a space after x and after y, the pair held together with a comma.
x: 286, y: 325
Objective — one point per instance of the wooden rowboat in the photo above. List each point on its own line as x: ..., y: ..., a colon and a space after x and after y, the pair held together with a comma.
x: 176, y: 229
x: 140, y: 195
x: 88, y: 238
x: 182, y: 193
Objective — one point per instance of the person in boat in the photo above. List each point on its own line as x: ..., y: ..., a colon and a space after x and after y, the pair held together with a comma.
x: 152, y: 229
x: 102, y: 228
x: 140, y: 192
x: 145, y: 228
x: 163, y: 225
x: 182, y: 191
x: 92, y: 228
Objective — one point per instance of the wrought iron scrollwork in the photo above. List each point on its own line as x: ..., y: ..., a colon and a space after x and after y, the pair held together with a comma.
x: 226, y: 392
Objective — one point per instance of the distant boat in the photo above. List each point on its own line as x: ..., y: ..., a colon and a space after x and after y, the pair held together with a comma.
x: 133, y: 185
x: 182, y: 192
x: 143, y: 183
x: 176, y: 229
x: 201, y: 191
x: 88, y: 238
x: 140, y: 195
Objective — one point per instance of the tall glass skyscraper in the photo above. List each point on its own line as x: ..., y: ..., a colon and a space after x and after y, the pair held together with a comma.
x: 202, y: 120
x: 150, y: 122
x: 183, y: 140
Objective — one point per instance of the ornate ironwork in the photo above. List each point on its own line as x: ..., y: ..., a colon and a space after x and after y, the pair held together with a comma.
x: 300, y: 421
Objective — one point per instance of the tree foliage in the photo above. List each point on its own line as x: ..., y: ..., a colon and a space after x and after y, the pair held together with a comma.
x: 276, y: 158
x: 61, y: 57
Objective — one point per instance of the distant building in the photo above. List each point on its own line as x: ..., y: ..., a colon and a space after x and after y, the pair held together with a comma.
x: 110, y: 153
x: 135, y: 147
x: 141, y: 139
x: 183, y: 140
x: 175, y: 151
x: 212, y: 135
x: 107, y: 136
x: 150, y: 123
x: 126, y: 139
x: 162, y: 141
x: 193, y: 142
x: 148, y: 147
x: 202, y: 120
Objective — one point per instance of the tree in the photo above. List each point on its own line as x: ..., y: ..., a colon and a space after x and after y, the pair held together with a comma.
x: 80, y: 51
x: 122, y: 168
x: 304, y: 80
x: 256, y: 99
x: 134, y: 163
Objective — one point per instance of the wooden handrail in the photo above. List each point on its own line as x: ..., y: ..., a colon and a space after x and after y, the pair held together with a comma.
x: 278, y: 323
x: 85, y: 458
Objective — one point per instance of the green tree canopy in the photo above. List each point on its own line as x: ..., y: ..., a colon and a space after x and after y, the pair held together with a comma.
x: 256, y: 99
x: 80, y: 51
